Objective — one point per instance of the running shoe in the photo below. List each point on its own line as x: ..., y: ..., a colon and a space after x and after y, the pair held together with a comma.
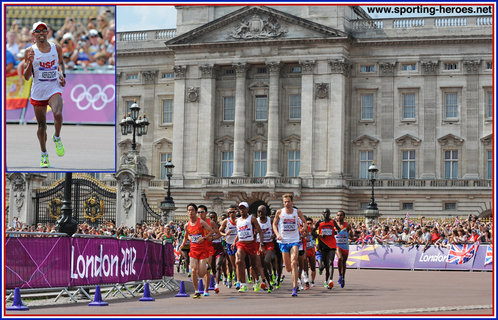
x: 206, y: 293
x: 237, y: 286
x: 312, y: 284
x: 343, y: 283
x: 216, y: 288
x: 59, y: 148
x: 294, y: 292
x: 257, y: 287
x: 340, y: 280
x: 249, y: 280
x: 230, y: 284
x: 178, y: 268
x: 330, y: 285
x: 320, y: 271
x: 263, y: 286
x: 325, y: 284
x: 307, y: 287
x: 197, y: 295
x: 243, y: 288
x: 189, y: 275
x: 44, y: 163
x: 270, y: 289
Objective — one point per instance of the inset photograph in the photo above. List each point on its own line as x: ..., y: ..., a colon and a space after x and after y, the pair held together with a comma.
x: 60, y: 88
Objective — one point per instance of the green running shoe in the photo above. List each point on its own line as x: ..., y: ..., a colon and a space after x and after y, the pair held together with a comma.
x: 243, y: 288
x: 44, y: 163
x: 257, y: 287
x: 59, y: 148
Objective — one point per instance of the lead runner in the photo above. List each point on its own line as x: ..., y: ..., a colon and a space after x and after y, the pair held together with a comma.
x: 43, y: 62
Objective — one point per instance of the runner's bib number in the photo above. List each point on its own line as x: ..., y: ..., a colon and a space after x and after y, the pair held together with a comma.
x: 289, y: 226
x: 244, y: 235
x: 49, y: 75
x: 327, y: 232
x: 195, y: 237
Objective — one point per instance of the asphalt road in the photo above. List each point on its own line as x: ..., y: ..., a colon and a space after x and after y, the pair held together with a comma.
x: 367, y: 292
x: 88, y: 148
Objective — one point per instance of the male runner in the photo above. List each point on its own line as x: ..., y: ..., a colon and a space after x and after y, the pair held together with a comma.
x: 247, y: 227
x: 218, y: 258
x: 310, y: 255
x: 197, y: 231
x: 286, y: 228
x: 228, y: 229
x: 342, y: 240
x: 268, y: 253
x: 202, y: 211
x: 43, y: 60
x: 327, y: 246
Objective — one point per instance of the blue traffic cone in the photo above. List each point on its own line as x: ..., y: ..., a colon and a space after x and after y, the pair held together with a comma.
x: 201, y: 286
x: 211, y: 283
x: 146, y: 296
x: 97, y: 300
x: 17, y: 305
x: 182, y: 292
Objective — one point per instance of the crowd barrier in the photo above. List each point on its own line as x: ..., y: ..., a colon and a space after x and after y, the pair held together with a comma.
x: 89, y: 98
x: 53, y: 262
x: 415, y: 258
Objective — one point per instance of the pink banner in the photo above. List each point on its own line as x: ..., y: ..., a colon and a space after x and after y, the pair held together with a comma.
x: 88, y: 99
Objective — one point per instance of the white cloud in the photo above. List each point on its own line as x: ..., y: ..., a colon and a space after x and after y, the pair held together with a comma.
x: 136, y: 18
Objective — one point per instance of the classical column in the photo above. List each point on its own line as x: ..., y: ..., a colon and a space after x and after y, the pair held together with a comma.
x: 239, y: 144
x: 179, y: 120
x: 273, y: 120
x: 206, y: 115
x: 470, y: 113
x: 385, y: 118
x: 429, y: 121
x: 306, y: 118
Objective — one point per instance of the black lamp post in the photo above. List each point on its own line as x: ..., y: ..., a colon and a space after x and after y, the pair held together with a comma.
x: 168, y: 205
x: 133, y: 123
x: 372, y: 175
x: 66, y: 223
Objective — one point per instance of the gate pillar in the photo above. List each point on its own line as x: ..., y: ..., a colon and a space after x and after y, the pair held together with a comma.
x: 21, y: 202
x: 132, y: 178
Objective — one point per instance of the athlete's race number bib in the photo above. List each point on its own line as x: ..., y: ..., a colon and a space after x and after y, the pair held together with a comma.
x: 195, y: 237
x: 245, y: 234
x: 49, y: 75
x: 341, y: 239
x: 327, y: 232
x: 289, y: 225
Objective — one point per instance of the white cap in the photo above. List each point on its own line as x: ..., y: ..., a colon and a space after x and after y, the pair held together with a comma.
x: 39, y: 23
x: 67, y: 36
x: 93, y: 32
x: 243, y: 204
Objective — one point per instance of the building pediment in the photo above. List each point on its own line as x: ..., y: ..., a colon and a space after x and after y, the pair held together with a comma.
x: 366, y: 140
x: 256, y: 23
x: 450, y: 139
x: 408, y: 139
x: 487, y: 140
x: 162, y: 142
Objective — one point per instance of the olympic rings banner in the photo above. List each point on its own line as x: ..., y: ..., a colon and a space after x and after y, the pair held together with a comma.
x: 68, y: 262
x: 89, y: 98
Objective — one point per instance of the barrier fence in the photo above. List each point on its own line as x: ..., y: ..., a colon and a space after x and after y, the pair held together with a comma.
x: 52, y: 262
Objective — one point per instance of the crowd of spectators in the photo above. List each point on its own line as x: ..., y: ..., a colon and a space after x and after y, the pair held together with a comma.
x: 406, y: 232
x: 86, y: 45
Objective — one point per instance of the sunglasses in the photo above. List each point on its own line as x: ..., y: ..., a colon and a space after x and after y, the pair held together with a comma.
x: 232, y: 211
x: 41, y: 31
x: 201, y: 211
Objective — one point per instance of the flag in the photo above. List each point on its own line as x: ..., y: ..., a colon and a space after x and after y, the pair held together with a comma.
x: 489, y: 255
x: 461, y: 253
x: 18, y: 91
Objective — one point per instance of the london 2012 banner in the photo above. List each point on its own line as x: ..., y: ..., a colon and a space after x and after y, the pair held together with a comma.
x: 89, y: 98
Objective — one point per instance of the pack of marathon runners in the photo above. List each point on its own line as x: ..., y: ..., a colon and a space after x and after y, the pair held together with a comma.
x: 241, y: 249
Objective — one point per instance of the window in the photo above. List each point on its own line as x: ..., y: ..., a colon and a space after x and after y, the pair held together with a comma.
x: 407, y: 206
x: 409, y: 66
x: 227, y: 164
x: 168, y: 111
x: 364, y: 205
x: 451, y: 105
x: 451, y: 66
x: 261, y: 70
x: 367, y: 68
x: 451, y: 164
x: 228, y: 108
x: 489, y: 109
x: 295, y: 69
x: 489, y: 65
x: 168, y: 75
x: 295, y: 107
x: 450, y: 206
x: 129, y: 103
x: 490, y: 164
x: 366, y: 158
x: 164, y: 159
x: 408, y: 165
x: 367, y: 105
x: 409, y: 106
x: 259, y: 163
x: 132, y: 76
x: 261, y: 107
x: 293, y: 163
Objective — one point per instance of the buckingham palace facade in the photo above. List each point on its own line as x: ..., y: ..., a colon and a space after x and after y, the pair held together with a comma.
x: 251, y: 102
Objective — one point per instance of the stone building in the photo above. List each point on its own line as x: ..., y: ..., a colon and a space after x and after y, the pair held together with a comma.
x: 251, y: 102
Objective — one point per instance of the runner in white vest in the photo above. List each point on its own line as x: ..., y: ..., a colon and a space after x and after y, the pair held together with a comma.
x: 286, y: 228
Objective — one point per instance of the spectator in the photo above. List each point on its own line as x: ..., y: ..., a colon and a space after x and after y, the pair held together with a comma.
x: 102, y: 24
x: 442, y: 242
x: 68, y: 44
x: 12, y: 45
x: 10, y: 62
x: 109, y: 41
x: 405, y: 236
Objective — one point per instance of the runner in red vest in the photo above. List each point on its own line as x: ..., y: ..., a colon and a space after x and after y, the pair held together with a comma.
x: 327, y: 245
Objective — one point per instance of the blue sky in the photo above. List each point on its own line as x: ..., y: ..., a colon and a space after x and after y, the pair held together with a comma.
x: 150, y: 17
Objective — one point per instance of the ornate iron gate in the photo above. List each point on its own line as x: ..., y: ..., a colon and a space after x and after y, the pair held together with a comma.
x: 150, y: 216
x: 91, y: 201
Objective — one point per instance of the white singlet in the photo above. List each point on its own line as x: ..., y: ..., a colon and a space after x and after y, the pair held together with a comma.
x: 45, y: 74
x: 233, y: 231
x: 288, y: 226
x: 244, y: 229
x: 267, y: 230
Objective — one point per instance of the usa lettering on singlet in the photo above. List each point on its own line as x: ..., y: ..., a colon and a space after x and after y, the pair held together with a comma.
x: 45, y: 74
x: 244, y: 229
x: 267, y: 230
x: 288, y: 226
x: 233, y: 232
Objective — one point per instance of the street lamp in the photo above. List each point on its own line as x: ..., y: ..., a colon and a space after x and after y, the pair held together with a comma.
x: 168, y: 205
x: 66, y: 223
x: 372, y: 175
x: 133, y: 123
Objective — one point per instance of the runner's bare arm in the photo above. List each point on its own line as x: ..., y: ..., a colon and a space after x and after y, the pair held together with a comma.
x: 216, y: 230
x: 208, y: 228
x: 29, y: 56
x: 223, y: 227
x: 185, y: 236
x: 62, y: 77
x: 257, y: 229
x: 275, y: 225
